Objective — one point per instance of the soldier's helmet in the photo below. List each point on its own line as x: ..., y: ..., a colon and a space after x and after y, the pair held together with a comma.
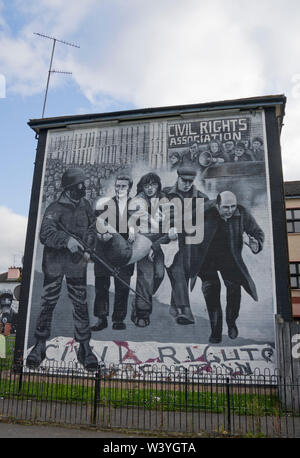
x: 72, y: 177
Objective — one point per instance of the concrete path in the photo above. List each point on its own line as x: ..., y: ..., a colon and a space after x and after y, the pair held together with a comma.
x: 18, y: 430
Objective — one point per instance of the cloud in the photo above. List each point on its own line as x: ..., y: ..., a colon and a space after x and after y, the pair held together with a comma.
x: 12, y: 237
x: 154, y: 53
x: 140, y: 54
x: 25, y: 57
x: 149, y: 53
x: 168, y: 53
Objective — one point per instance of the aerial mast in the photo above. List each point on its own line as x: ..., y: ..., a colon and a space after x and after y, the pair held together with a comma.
x: 50, y: 71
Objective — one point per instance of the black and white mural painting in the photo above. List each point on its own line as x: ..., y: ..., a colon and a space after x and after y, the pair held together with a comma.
x: 154, y: 246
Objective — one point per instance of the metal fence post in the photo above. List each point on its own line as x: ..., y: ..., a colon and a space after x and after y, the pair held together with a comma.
x: 228, y: 406
x: 186, y: 387
x: 20, y: 381
x: 96, y: 395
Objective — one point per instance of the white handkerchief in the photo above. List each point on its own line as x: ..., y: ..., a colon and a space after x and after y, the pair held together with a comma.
x: 170, y: 251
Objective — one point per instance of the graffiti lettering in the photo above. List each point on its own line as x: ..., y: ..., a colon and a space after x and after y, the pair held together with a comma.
x: 197, y: 358
x: 171, y: 355
x: 227, y: 358
x: 244, y: 369
x: 267, y: 353
x: 48, y: 352
x: 249, y: 351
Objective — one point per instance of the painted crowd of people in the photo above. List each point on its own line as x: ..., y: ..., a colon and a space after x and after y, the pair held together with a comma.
x: 216, y: 153
x: 97, y: 178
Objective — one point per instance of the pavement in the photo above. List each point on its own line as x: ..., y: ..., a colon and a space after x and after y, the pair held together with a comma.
x: 19, y: 430
x: 80, y: 441
x: 34, y: 418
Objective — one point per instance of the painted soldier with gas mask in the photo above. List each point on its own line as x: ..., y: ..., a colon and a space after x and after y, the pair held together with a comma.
x: 64, y: 256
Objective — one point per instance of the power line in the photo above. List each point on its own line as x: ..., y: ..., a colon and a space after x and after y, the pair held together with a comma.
x: 55, y: 40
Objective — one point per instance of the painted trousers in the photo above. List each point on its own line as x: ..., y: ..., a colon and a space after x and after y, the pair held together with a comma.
x: 179, y: 278
x: 77, y: 293
x: 101, y: 304
x: 211, y: 288
x: 148, y: 279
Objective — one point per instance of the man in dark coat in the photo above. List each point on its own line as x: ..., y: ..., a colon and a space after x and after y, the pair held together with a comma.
x: 225, y: 222
x: 63, y: 256
x: 119, y: 203
x: 191, y: 156
x: 180, y: 270
x: 241, y: 154
x: 258, y: 149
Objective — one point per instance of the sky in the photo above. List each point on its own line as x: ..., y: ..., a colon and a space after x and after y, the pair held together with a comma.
x: 135, y: 54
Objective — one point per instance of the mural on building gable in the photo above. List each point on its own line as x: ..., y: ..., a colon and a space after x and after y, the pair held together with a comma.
x: 154, y: 246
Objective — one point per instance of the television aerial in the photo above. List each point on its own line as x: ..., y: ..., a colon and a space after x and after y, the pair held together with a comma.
x: 50, y: 71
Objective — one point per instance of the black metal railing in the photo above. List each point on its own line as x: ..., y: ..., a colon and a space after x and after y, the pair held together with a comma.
x: 161, y: 399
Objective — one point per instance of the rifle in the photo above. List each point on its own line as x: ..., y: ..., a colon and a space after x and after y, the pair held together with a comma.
x: 114, y: 271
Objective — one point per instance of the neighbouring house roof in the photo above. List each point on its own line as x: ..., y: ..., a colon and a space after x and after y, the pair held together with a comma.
x: 292, y: 188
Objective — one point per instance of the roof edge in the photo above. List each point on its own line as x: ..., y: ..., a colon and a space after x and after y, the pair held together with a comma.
x: 146, y: 113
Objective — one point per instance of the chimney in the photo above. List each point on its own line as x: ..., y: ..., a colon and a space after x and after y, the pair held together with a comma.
x: 14, y: 273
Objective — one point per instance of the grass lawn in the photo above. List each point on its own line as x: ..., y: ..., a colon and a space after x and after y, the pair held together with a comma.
x: 150, y: 399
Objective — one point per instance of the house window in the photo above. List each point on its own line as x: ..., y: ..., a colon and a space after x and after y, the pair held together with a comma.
x: 293, y: 220
x: 295, y: 275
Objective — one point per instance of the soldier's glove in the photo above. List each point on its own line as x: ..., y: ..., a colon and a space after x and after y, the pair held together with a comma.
x: 76, y: 249
x: 74, y: 246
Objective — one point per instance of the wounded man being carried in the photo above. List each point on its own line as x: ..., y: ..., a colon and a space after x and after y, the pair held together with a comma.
x: 122, y: 242
x: 112, y: 246
x: 115, y: 252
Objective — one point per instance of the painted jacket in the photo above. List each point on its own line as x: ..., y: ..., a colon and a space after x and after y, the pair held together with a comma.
x: 77, y: 219
x: 246, y: 157
x: 147, y: 217
x: 172, y: 192
x: 117, y: 251
x: 241, y: 222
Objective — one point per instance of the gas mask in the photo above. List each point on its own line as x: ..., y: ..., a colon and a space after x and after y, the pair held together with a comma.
x: 77, y: 191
